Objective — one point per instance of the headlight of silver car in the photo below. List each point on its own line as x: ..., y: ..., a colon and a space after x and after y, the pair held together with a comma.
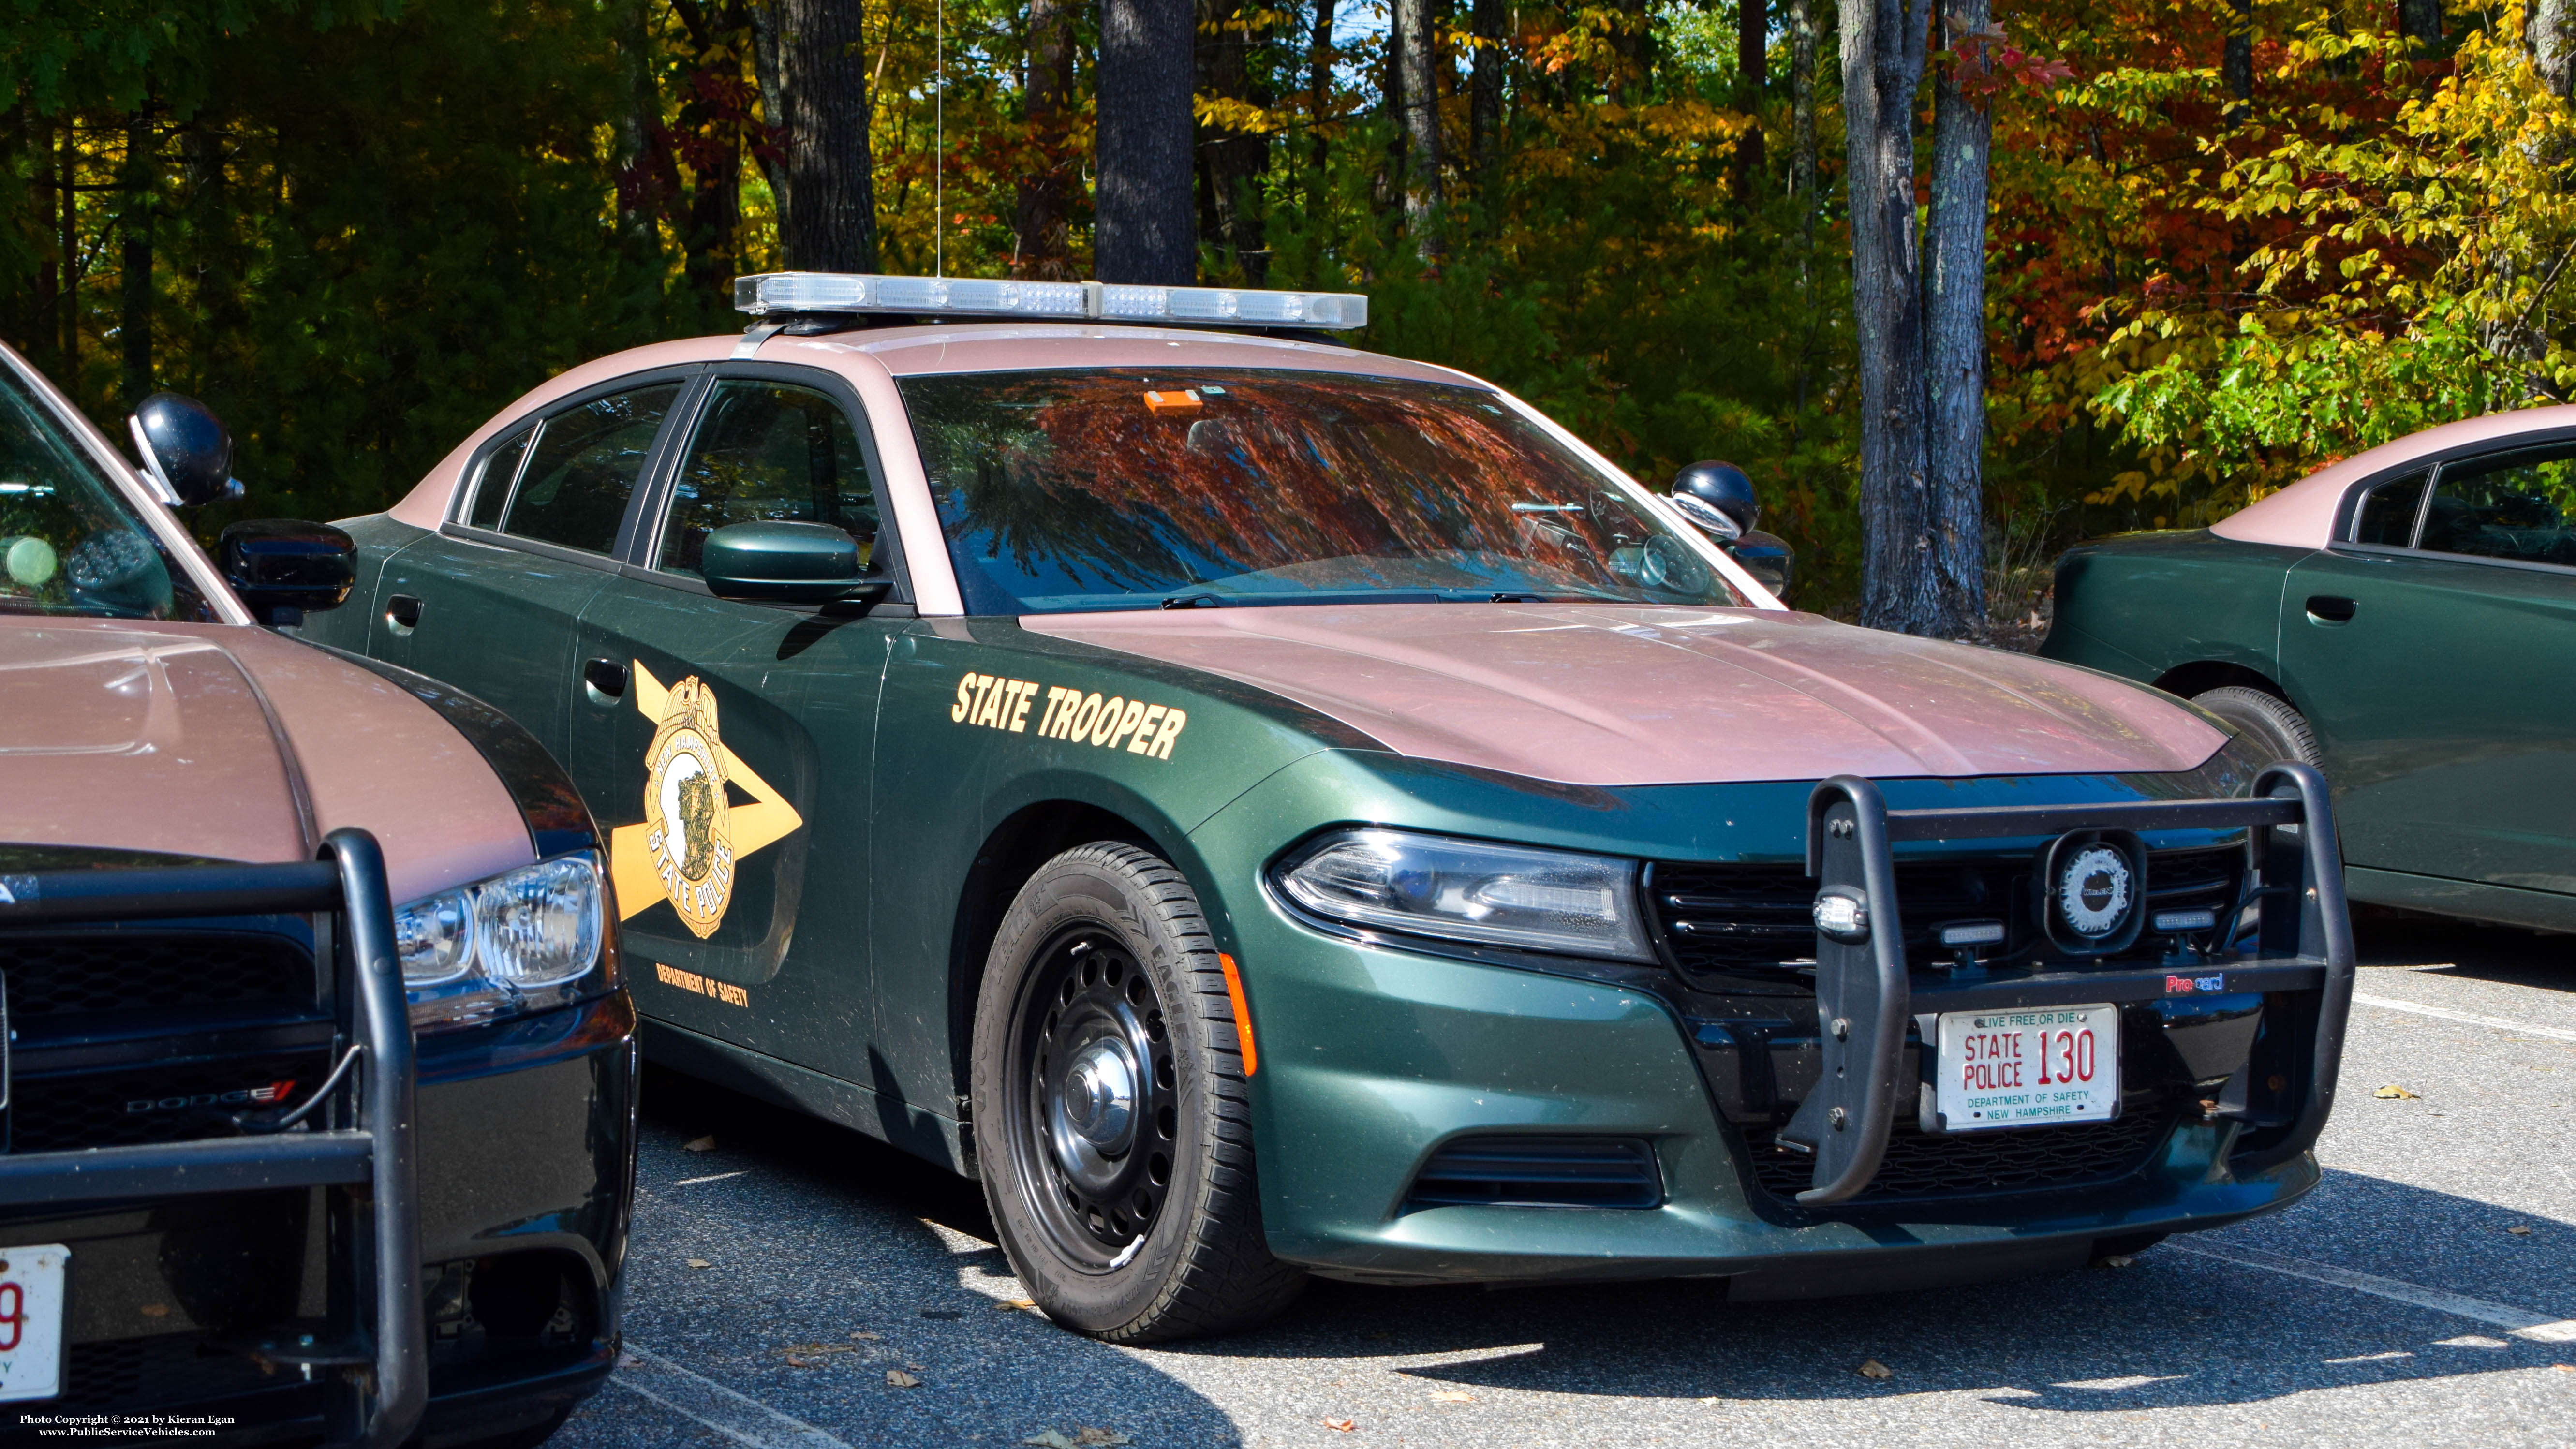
x: 521, y: 941
x: 1472, y: 890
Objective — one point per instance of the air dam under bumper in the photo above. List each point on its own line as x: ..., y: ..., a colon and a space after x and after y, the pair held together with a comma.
x: 1375, y: 1060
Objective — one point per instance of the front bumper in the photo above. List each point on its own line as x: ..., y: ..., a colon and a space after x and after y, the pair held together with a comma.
x: 1376, y: 1057
x: 525, y: 1159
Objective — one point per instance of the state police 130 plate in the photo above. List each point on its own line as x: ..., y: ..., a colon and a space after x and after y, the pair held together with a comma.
x: 31, y: 1321
x: 2027, y: 1068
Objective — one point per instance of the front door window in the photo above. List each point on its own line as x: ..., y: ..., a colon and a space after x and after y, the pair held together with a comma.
x: 769, y: 452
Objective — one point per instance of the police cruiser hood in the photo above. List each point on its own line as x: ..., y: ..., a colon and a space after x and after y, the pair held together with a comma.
x: 1593, y: 694
x: 229, y: 742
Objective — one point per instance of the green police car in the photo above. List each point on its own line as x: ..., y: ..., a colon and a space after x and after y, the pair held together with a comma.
x: 1268, y: 809
x: 2403, y: 620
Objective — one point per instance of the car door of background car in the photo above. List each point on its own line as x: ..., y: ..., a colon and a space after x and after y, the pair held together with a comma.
x: 2432, y: 655
x: 732, y: 769
x: 494, y: 596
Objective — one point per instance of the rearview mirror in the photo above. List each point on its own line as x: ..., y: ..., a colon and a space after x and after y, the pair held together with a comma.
x: 810, y: 563
x: 285, y: 568
x: 186, y: 450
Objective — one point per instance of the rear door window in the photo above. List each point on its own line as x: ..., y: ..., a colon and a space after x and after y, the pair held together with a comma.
x: 499, y: 472
x: 2519, y: 506
x: 583, y: 469
x: 769, y: 452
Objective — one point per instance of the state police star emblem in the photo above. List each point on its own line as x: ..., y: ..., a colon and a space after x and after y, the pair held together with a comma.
x: 686, y: 848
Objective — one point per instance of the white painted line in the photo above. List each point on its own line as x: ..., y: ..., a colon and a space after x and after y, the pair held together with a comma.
x: 2390, y: 1003
x: 2519, y: 1322
x: 718, y: 1177
x: 739, y: 1417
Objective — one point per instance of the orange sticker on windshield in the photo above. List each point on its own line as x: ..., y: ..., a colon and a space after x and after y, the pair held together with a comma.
x: 1171, y: 402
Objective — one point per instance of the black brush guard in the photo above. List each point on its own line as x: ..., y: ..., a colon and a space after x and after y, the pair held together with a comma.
x: 1865, y: 994
x: 373, y: 1355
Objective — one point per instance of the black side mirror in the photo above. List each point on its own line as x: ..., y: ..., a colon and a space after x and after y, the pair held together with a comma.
x: 284, y: 568
x: 185, y: 449
x: 1770, y: 560
x: 1719, y: 498
x: 810, y: 563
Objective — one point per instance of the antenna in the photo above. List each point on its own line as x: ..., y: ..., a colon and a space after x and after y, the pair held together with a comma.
x: 939, y: 140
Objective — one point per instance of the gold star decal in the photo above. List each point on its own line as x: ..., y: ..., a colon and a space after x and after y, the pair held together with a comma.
x: 684, y: 849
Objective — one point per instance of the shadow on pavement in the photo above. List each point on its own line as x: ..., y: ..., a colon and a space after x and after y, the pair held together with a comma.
x: 2174, y: 1329
x: 2508, y: 955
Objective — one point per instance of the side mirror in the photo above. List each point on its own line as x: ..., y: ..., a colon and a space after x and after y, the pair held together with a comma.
x: 1719, y: 498
x: 809, y: 563
x: 186, y: 451
x: 284, y: 568
x: 1768, y: 557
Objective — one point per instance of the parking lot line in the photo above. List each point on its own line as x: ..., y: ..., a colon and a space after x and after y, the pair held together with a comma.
x: 2519, y: 1322
x: 739, y: 1417
x: 2465, y: 1018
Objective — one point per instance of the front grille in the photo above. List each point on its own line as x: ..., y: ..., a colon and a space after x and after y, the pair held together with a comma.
x: 171, y: 1103
x: 2019, y: 1159
x: 142, y: 1373
x: 78, y: 972
x: 1735, y: 917
x: 1604, y: 1172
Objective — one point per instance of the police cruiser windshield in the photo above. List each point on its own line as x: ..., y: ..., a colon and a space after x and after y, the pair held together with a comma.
x: 71, y: 541
x: 1119, y: 489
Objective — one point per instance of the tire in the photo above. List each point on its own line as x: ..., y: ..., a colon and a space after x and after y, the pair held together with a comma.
x: 2267, y: 720
x: 1103, y: 987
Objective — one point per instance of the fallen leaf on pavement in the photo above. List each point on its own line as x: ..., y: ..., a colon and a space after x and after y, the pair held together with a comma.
x: 700, y: 1263
x: 867, y: 1333
x: 1009, y: 1303
x: 1049, y: 1439
x: 1871, y: 1368
x: 820, y: 1348
x: 1100, y: 1436
x: 628, y: 1360
x: 1343, y: 1425
x: 1081, y: 1439
x: 2394, y: 1090
x: 898, y: 1379
x: 794, y: 1362
x: 2519, y: 1230
x: 1452, y: 1396
x: 700, y: 1144
x: 2118, y: 1260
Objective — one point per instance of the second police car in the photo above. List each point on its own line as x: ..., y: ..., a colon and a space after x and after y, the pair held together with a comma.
x: 1269, y: 809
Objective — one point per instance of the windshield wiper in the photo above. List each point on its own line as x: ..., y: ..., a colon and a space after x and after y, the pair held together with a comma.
x: 1199, y: 600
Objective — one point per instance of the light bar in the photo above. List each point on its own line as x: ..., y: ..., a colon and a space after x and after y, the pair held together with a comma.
x: 775, y: 292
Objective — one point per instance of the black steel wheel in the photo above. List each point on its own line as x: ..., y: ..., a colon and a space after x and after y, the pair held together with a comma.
x: 1112, y: 1131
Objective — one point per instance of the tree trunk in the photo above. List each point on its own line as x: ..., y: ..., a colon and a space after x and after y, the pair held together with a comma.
x: 1752, y: 77
x: 825, y: 177
x: 1040, y: 214
x: 1485, y: 89
x: 68, y: 247
x: 2421, y: 20
x: 2553, y: 44
x: 1319, y: 104
x: 2236, y: 63
x: 1954, y: 315
x: 1882, y: 45
x: 1802, y: 103
x: 640, y: 193
x: 1147, y: 232
x: 1231, y: 160
x: 1419, y: 78
x: 138, y: 188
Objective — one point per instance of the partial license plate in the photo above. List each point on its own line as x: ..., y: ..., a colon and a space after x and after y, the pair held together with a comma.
x: 2027, y: 1068
x: 31, y: 1321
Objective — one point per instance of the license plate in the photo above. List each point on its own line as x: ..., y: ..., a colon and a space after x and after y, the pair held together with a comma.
x: 31, y: 1321
x: 2028, y: 1068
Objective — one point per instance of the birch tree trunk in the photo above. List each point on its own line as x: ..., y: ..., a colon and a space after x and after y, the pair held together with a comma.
x: 827, y: 216
x: 1883, y: 46
x: 1147, y: 229
x: 1039, y: 216
x: 1954, y: 314
x: 1420, y: 105
x: 2553, y: 44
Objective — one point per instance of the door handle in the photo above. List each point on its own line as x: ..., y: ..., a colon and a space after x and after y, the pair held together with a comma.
x: 605, y: 679
x: 2331, y: 608
x: 402, y: 614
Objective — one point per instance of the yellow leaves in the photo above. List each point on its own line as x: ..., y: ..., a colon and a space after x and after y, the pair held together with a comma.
x: 1226, y: 113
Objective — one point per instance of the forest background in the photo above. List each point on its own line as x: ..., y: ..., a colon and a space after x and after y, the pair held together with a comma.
x: 2227, y: 239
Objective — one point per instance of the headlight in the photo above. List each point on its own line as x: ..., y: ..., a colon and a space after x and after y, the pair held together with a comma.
x: 518, y: 942
x: 1468, y: 890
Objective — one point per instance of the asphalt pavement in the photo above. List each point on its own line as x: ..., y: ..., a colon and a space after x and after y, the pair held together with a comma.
x: 801, y: 1286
